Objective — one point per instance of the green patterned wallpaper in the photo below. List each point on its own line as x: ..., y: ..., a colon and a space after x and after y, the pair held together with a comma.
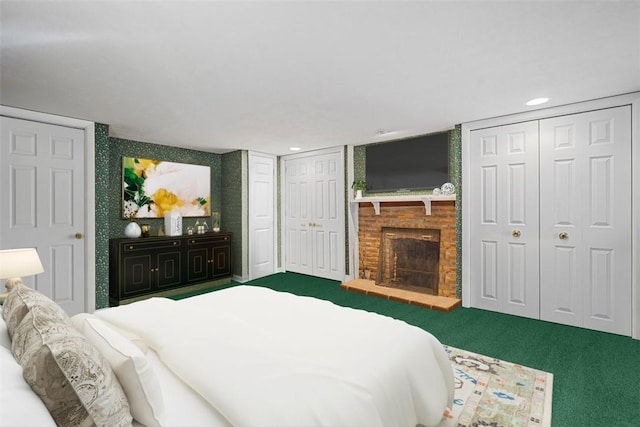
x: 109, y: 221
x: 455, y: 168
x: 102, y: 215
x: 234, y: 207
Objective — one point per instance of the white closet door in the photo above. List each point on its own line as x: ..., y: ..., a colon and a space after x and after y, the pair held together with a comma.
x: 262, y: 244
x: 298, y: 233
x: 42, y: 189
x: 585, y: 220
x: 328, y: 216
x: 314, y: 214
x: 504, y: 230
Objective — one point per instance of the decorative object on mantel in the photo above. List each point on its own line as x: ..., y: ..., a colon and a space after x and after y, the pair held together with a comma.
x: 436, y: 191
x: 359, y: 186
x: 16, y: 263
x: 448, y: 189
x: 132, y: 230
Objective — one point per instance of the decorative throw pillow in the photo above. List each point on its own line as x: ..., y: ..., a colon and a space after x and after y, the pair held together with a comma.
x: 134, y: 372
x: 70, y: 376
x: 28, y: 338
x: 76, y: 384
x: 20, y: 406
x: 22, y: 299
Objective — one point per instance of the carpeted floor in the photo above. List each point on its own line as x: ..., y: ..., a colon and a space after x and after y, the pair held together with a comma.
x: 596, y: 376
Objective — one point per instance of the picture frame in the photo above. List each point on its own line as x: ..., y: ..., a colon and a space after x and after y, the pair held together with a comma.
x: 151, y: 188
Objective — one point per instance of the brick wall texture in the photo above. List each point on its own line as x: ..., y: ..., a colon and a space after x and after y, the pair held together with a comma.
x: 410, y: 215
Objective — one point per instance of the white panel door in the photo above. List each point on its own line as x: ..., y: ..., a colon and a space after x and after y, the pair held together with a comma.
x: 262, y: 234
x: 298, y: 236
x: 314, y: 215
x: 585, y: 219
x: 327, y: 223
x: 504, y: 234
x: 42, y: 188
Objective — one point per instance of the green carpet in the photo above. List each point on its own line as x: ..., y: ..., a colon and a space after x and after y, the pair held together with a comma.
x: 596, y: 375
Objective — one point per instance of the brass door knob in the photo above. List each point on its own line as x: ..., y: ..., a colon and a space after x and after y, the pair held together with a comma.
x: 79, y: 236
x: 516, y: 233
x: 563, y: 236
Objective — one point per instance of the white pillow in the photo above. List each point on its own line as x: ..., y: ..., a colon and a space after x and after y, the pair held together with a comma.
x: 20, y: 405
x: 78, y: 321
x: 138, y: 380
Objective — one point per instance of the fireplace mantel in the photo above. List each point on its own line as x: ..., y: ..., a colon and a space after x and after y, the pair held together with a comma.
x: 424, y: 198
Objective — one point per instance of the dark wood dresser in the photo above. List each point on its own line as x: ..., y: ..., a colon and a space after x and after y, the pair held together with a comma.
x: 168, y: 265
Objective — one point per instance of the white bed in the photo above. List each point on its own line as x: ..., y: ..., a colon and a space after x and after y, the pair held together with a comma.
x: 251, y: 356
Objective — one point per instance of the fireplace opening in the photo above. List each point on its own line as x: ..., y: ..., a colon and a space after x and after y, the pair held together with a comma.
x: 409, y: 259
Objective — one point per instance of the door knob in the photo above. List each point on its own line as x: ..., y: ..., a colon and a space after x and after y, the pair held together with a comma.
x: 78, y: 235
x: 516, y: 233
x: 563, y: 236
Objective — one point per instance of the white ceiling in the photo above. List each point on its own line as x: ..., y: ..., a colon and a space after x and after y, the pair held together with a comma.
x: 220, y: 76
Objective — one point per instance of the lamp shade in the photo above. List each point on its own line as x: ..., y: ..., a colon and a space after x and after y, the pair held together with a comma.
x: 19, y: 263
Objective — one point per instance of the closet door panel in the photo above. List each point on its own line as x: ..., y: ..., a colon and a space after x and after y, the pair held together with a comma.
x: 505, y: 195
x: 489, y: 275
x: 584, y: 174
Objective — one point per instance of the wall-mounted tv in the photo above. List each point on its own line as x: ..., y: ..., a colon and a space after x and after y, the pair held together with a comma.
x: 417, y: 163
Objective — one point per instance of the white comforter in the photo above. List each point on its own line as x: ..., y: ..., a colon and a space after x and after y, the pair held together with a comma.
x: 266, y: 358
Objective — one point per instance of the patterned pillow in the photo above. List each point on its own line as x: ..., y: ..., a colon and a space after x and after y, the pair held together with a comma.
x: 76, y: 384
x: 22, y: 299
x: 28, y: 338
x: 70, y: 376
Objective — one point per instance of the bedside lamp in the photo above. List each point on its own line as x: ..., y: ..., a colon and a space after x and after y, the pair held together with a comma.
x: 16, y: 263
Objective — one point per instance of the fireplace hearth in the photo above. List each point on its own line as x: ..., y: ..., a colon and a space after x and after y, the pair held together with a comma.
x: 409, y: 259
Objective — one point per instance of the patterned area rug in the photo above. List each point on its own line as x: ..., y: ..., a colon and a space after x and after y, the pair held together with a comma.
x: 492, y: 392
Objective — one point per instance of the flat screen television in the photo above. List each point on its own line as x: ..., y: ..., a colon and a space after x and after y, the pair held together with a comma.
x: 417, y: 163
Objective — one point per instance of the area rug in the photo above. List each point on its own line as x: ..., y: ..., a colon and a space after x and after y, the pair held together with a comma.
x: 492, y: 392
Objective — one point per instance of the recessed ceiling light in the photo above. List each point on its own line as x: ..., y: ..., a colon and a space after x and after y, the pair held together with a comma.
x: 294, y: 148
x: 537, y: 101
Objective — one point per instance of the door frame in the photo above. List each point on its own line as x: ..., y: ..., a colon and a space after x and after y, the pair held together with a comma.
x: 90, y: 188
x: 632, y: 99
x: 283, y: 199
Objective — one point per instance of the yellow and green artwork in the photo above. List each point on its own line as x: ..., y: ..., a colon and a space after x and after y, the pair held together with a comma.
x: 151, y: 188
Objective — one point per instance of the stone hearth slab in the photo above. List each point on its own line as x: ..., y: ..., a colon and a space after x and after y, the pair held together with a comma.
x: 435, y: 302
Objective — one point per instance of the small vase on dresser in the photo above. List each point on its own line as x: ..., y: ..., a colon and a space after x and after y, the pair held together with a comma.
x: 132, y: 230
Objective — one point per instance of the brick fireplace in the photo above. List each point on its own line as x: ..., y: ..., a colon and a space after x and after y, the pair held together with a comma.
x: 409, y: 215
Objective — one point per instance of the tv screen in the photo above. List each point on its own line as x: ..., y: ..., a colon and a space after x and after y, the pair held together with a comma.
x: 417, y: 163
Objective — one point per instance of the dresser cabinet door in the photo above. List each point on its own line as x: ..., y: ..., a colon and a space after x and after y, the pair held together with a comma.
x: 222, y: 260
x: 208, y: 257
x: 169, y: 269
x: 137, y: 274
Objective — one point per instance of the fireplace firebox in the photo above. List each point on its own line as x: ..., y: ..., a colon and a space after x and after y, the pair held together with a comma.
x: 409, y: 259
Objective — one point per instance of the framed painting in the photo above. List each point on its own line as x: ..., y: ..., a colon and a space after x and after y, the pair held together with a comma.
x: 150, y: 188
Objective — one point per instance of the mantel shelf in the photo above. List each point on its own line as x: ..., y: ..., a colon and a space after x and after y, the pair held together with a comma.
x: 424, y: 198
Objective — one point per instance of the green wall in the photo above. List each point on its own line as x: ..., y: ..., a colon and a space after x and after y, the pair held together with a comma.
x: 109, y: 221
x: 235, y: 211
